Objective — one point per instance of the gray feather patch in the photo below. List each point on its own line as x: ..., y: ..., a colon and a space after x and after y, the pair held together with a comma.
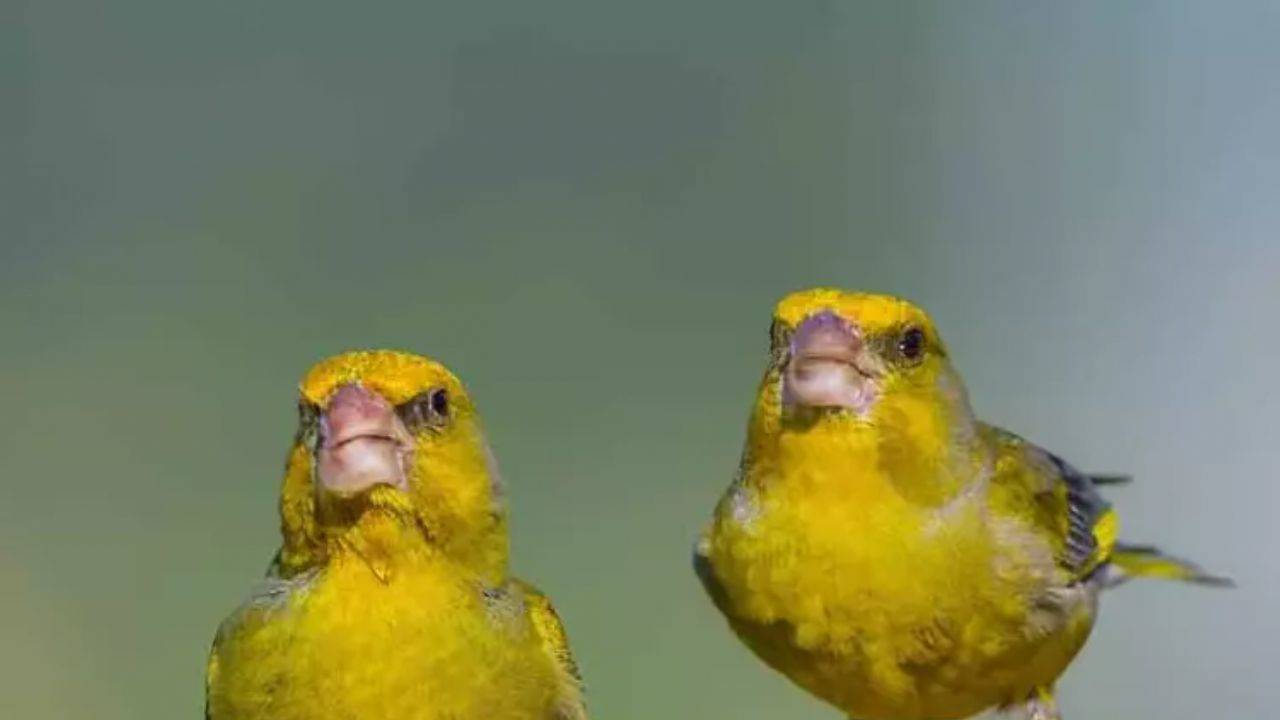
x: 1084, y: 507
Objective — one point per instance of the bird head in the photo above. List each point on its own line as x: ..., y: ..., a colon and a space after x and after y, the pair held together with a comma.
x: 864, y: 372
x: 389, y: 457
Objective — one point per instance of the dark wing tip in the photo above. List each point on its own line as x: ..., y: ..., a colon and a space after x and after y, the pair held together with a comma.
x: 707, y: 574
x: 1111, y: 479
x: 1219, y: 581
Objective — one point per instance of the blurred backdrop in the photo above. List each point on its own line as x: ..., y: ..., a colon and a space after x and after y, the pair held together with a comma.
x: 587, y: 209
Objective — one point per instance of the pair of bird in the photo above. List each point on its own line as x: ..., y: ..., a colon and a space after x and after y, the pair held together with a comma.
x: 879, y: 546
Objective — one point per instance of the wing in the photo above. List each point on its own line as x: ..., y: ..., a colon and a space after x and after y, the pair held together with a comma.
x: 1061, y: 501
x: 545, y: 621
x: 245, y: 632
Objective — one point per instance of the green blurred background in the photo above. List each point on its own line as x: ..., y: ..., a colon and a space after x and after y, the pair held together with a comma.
x: 586, y: 209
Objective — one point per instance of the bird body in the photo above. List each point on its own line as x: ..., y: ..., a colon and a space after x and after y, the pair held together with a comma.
x: 887, y: 551
x: 422, y: 641
x: 918, y: 613
x: 390, y: 598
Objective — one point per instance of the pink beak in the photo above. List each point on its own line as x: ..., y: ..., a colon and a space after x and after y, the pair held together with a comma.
x: 824, y: 367
x: 362, y: 443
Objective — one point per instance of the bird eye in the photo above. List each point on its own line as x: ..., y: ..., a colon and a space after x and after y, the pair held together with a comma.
x: 308, y: 423
x: 440, y: 402
x: 428, y: 409
x: 779, y: 340
x: 308, y: 414
x: 911, y: 344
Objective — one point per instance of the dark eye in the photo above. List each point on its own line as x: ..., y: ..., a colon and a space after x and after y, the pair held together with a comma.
x: 428, y: 409
x: 440, y: 402
x: 779, y: 340
x: 308, y: 422
x: 308, y: 414
x: 911, y: 344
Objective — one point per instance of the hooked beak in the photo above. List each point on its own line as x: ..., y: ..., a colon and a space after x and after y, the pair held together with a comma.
x: 362, y: 443
x: 827, y: 366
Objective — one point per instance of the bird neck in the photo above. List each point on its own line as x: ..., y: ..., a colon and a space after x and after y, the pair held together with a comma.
x: 390, y: 537
x: 384, y: 542
x: 865, y: 461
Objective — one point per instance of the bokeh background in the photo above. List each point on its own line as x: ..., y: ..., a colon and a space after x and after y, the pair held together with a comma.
x: 587, y: 209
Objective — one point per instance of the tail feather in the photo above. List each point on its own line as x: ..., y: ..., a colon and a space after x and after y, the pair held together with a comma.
x: 1128, y: 561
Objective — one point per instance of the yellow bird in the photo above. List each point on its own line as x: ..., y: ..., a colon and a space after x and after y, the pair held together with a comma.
x: 888, y: 552
x: 389, y: 598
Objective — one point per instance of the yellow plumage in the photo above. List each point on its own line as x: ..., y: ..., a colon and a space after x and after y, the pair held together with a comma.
x: 882, y: 548
x: 393, y: 602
